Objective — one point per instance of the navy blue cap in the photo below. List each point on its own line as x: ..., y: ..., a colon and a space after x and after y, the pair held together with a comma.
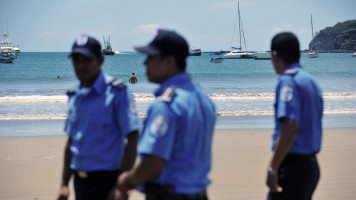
x: 166, y: 42
x: 86, y: 46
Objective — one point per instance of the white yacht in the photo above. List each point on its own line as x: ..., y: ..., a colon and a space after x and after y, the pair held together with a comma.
x: 16, y: 48
x: 238, y: 53
x: 6, y: 49
x: 6, y: 44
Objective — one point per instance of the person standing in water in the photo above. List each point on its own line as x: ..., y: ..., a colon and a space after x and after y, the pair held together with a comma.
x: 133, y: 79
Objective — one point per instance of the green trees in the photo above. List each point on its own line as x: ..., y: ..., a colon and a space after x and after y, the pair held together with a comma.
x: 340, y: 37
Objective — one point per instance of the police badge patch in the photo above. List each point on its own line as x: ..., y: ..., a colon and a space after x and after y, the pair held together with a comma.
x: 82, y: 40
x: 159, y: 126
x: 286, y: 93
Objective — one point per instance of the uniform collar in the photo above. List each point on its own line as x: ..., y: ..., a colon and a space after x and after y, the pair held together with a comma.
x: 292, y: 66
x: 174, y: 80
x: 99, y: 85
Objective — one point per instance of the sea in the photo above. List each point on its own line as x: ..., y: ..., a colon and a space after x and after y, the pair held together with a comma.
x: 33, y: 99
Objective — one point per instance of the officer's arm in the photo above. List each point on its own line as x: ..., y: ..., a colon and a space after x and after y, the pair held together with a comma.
x: 148, y: 169
x: 284, y: 142
x: 66, y: 173
x: 130, y: 151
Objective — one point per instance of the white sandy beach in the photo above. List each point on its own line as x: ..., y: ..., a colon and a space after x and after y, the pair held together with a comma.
x: 31, y: 166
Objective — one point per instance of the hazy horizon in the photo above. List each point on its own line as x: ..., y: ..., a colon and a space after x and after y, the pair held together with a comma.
x: 52, y: 26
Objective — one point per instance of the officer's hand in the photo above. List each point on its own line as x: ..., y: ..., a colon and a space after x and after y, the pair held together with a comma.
x: 272, y: 183
x: 63, y: 193
x: 116, y: 194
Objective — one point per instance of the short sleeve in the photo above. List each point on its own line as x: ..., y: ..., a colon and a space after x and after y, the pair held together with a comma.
x: 288, y: 100
x: 159, y: 131
x: 126, y: 113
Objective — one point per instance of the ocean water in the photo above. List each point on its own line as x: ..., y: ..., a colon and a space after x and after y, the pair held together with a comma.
x: 33, y: 100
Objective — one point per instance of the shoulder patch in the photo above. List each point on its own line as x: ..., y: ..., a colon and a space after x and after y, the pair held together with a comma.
x: 159, y: 126
x: 168, y: 94
x: 291, y: 71
x: 286, y: 93
x: 118, y: 83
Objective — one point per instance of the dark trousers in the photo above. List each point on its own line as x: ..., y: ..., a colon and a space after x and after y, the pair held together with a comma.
x: 298, y: 176
x: 95, y: 186
x: 157, y: 192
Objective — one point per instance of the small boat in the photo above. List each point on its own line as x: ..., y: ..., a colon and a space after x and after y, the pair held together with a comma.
x: 16, y: 49
x: 6, y: 58
x: 194, y: 52
x: 353, y: 55
x: 237, y: 53
x: 312, y: 53
x: 107, y: 50
x: 265, y: 55
x: 215, y: 56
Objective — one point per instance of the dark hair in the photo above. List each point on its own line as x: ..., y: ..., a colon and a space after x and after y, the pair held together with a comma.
x: 179, y: 50
x: 287, y: 47
x: 180, y: 60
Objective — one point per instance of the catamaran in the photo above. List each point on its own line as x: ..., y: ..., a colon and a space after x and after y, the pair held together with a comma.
x: 237, y: 52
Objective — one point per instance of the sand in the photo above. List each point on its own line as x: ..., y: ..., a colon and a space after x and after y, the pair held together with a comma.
x: 31, y: 166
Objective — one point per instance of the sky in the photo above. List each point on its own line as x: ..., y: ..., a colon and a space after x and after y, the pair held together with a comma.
x: 53, y: 25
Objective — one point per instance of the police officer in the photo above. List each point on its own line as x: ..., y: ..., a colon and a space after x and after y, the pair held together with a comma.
x: 176, y: 142
x: 101, y: 116
x: 293, y: 171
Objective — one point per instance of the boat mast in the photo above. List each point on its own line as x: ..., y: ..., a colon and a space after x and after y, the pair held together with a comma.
x: 238, y: 8
x: 311, y: 21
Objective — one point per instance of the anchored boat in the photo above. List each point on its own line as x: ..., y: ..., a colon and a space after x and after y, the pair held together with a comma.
x: 237, y: 52
x: 107, y: 50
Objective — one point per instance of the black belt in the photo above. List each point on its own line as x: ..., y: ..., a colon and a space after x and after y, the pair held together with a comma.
x: 91, y: 174
x: 198, y: 195
x: 300, y: 157
x: 168, y: 192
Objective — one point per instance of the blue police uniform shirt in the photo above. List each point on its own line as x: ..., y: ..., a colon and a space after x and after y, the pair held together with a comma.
x: 98, y: 121
x: 179, y: 129
x: 299, y: 97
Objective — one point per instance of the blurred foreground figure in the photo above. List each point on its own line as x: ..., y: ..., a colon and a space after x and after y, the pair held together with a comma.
x: 293, y: 172
x: 101, y: 115
x: 175, y: 146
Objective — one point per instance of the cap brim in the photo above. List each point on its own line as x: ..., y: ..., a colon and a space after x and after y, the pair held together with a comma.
x: 149, y: 50
x: 83, y: 51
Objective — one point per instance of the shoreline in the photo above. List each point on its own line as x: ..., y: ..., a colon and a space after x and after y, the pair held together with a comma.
x: 31, y: 166
x: 54, y: 127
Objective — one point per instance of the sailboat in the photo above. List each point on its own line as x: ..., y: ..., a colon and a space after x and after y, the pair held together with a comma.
x: 312, y: 53
x: 237, y: 52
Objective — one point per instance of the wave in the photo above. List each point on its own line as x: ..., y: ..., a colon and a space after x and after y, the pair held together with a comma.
x: 144, y: 97
x: 34, y: 99
x: 63, y: 116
